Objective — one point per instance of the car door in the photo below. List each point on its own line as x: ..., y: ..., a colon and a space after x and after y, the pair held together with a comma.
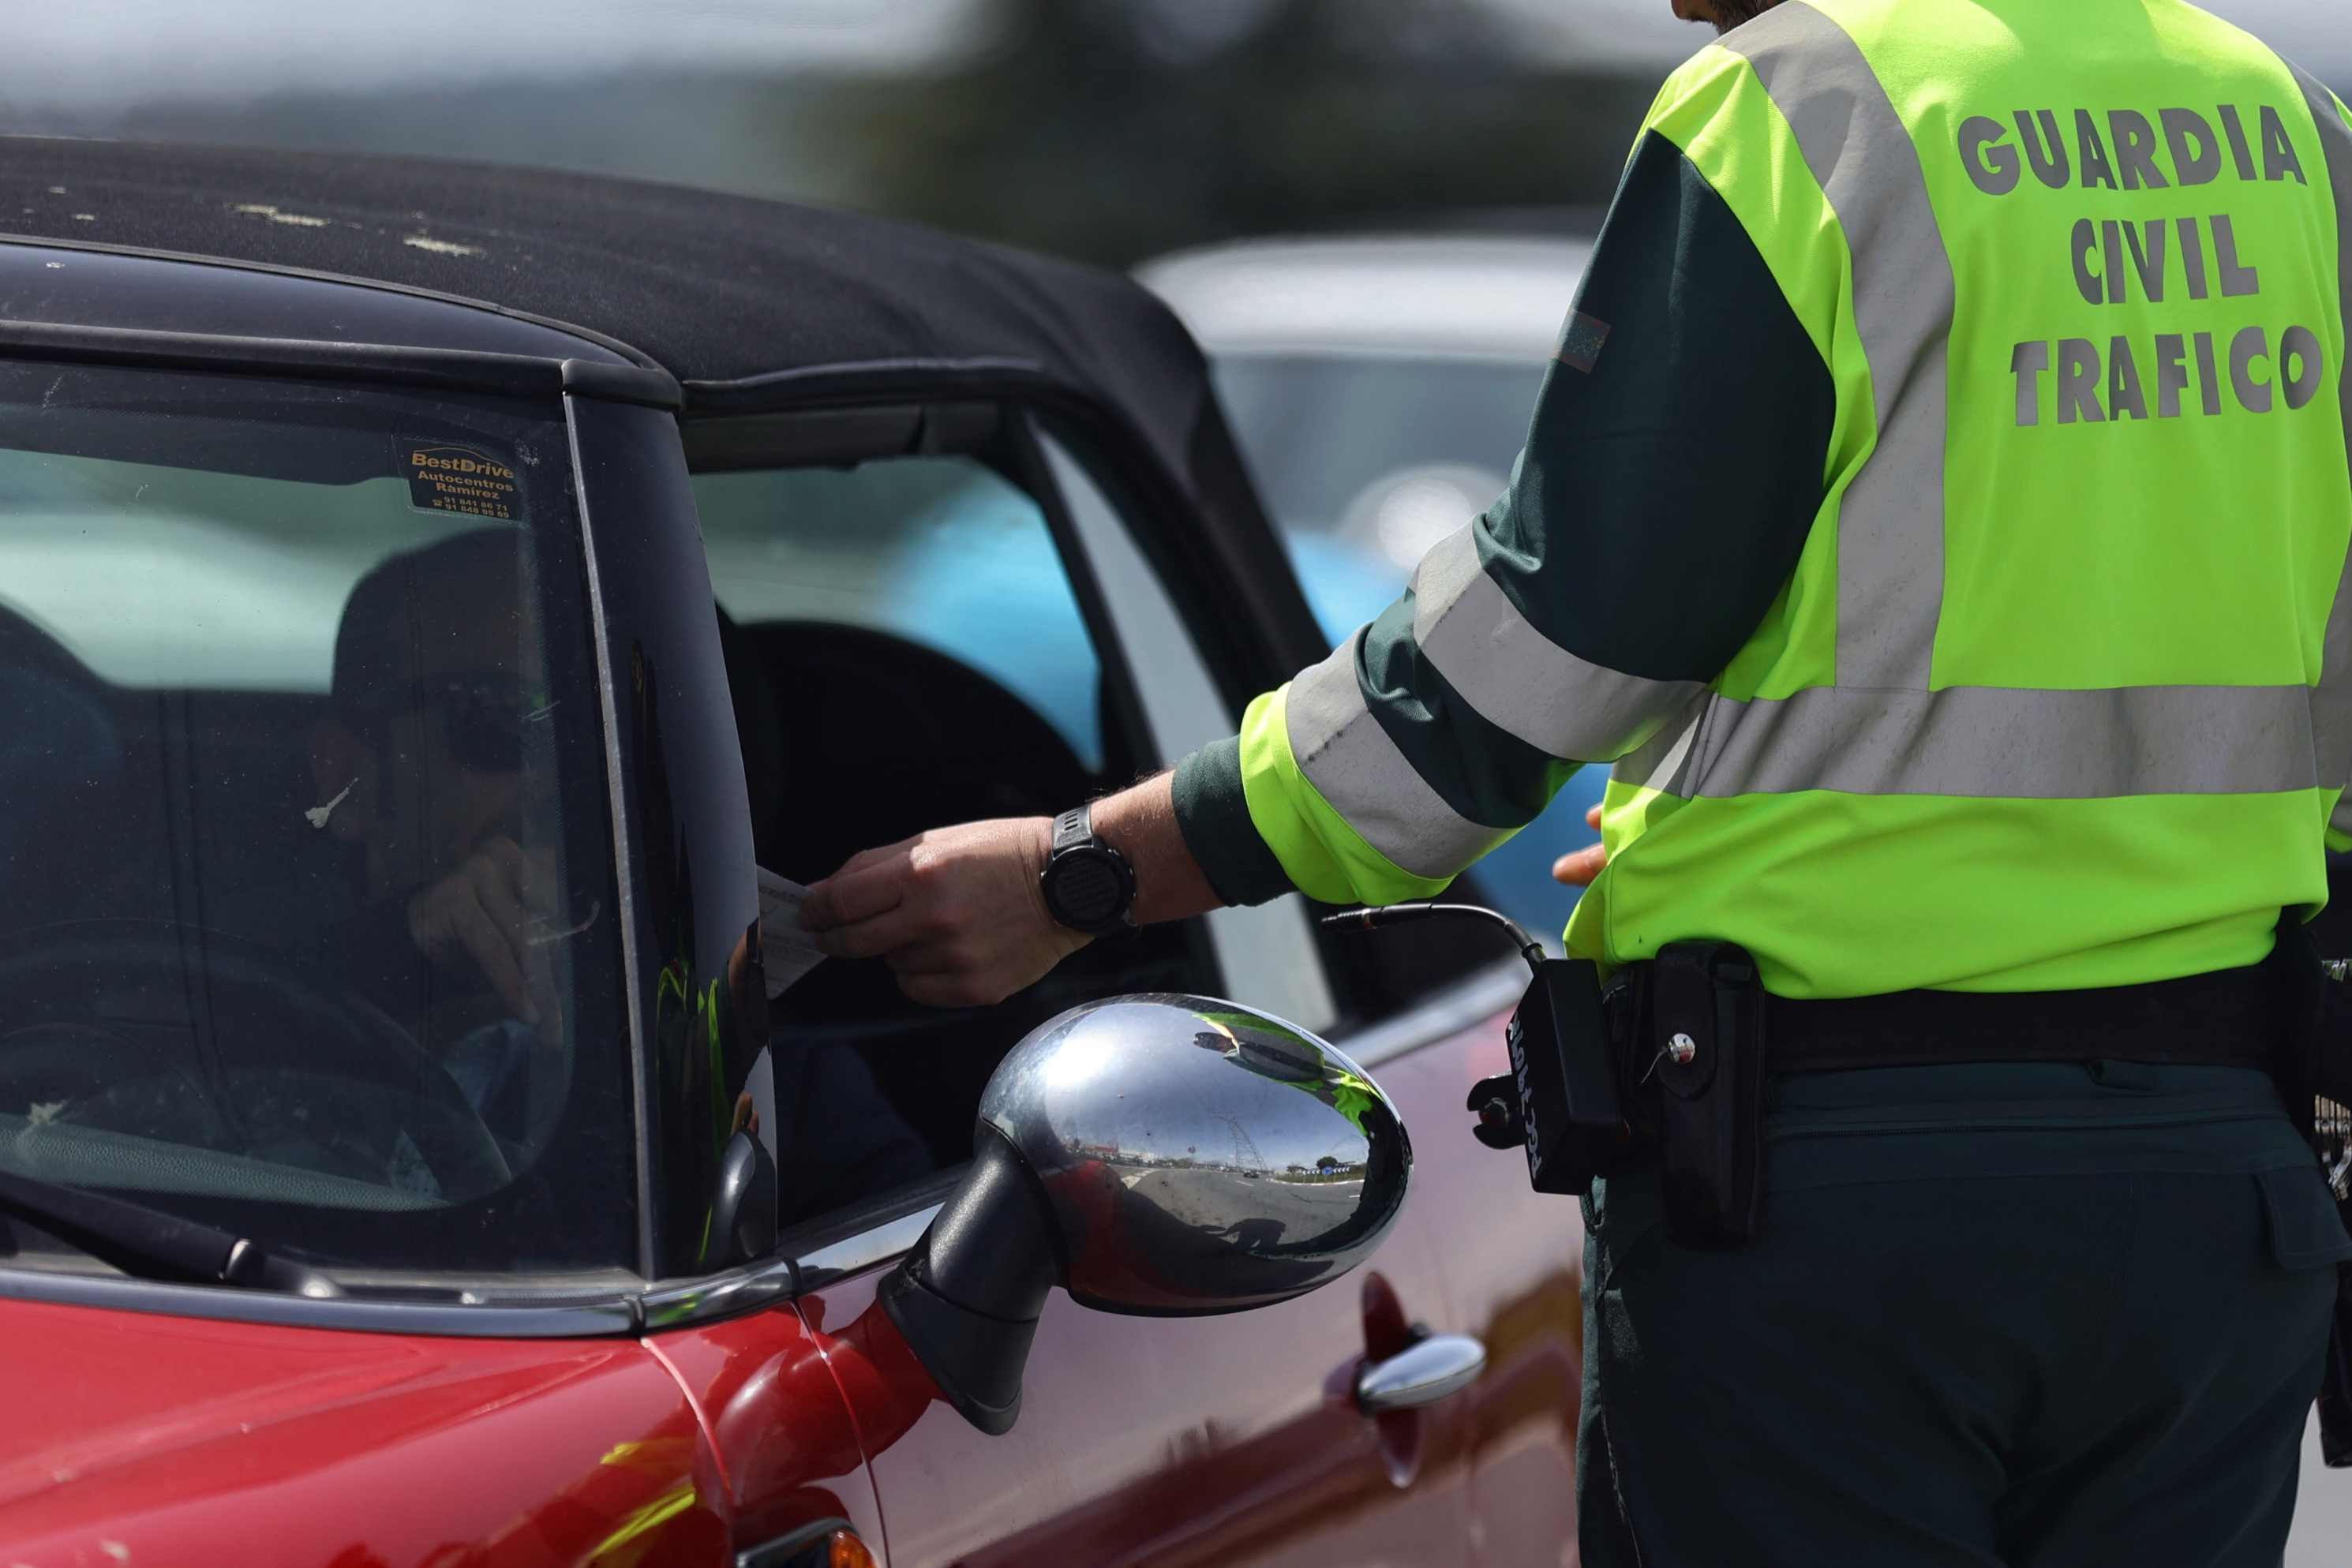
x: 776, y: 1425
x: 1513, y: 1269
x: 919, y: 635
x: 1423, y: 1011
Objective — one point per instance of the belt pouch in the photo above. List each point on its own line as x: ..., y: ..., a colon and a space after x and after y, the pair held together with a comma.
x: 1706, y: 1038
x: 1561, y: 1064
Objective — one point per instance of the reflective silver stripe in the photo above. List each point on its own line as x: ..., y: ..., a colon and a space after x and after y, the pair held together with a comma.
x: 1890, y: 520
x: 1350, y: 758
x: 1663, y: 762
x: 2332, y: 707
x: 2010, y: 743
x: 1521, y: 680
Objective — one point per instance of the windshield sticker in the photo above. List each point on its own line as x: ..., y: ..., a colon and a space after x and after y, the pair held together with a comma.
x: 444, y: 478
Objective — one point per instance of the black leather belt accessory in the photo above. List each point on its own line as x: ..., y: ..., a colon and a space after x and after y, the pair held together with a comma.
x: 1694, y: 1037
x: 2231, y: 1017
x: 1673, y: 1055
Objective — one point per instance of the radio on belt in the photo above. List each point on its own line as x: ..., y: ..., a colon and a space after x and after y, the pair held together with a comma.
x: 1559, y: 1100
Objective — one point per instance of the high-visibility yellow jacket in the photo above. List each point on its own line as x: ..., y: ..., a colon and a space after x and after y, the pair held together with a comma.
x: 1937, y: 512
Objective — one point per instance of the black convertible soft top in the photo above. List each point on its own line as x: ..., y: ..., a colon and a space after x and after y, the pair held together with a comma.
x: 713, y: 288
x: 740, y: 299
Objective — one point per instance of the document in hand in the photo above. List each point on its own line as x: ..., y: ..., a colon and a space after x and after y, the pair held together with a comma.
x: 785, y: 948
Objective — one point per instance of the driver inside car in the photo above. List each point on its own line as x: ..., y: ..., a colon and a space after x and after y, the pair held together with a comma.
x: 420, y: 767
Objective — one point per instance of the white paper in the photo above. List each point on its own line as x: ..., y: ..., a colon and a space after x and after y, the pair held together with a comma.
x: 785, y: 949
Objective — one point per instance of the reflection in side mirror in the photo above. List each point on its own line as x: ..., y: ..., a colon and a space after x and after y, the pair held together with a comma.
x: 1199, y: 1158
x: 1158, y: 1155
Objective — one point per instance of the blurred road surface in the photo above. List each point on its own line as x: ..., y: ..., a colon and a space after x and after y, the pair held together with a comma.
x: 2323, y: 1511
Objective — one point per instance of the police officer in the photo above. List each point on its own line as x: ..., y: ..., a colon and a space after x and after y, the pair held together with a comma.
x: 1937, y: 513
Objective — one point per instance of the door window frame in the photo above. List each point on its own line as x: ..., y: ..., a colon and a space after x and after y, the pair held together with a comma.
x: 1267, y: 952
x: 842, y: 426
x: 889, y: 425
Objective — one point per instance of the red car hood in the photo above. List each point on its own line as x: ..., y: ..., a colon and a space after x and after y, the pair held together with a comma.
x: 182, y: 1439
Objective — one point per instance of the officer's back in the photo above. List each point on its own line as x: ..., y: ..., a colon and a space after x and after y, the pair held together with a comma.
x: 2057, y: 646
x: 2056, y: 706
x: 1938, y: 514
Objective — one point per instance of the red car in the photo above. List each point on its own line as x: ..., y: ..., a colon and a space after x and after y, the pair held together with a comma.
x: 413, y: 1151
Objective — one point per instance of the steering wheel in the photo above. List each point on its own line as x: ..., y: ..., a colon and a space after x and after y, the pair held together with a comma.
x: 92, y: 1006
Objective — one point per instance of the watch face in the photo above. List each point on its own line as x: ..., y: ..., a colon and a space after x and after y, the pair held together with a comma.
x: 1086, y: 890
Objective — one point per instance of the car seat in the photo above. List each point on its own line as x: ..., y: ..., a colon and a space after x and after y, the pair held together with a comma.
x: 876, y: 739
x: 884, y: 737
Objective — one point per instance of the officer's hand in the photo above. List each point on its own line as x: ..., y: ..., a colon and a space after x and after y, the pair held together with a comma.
x: 956, y: 912
x: 477, y: 919
x: 1579, y: 869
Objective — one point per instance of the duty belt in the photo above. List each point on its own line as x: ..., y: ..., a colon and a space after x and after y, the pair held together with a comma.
x: 2229, y: 1017
x: 1695, y: 1038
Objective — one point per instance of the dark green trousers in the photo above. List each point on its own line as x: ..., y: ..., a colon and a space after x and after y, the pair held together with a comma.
x: 2036, y: 1316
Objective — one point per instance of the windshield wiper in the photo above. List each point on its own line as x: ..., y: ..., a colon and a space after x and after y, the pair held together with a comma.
x: 153, y: 1244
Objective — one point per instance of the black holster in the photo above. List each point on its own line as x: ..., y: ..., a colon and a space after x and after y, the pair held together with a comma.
x: 1701, y: 1040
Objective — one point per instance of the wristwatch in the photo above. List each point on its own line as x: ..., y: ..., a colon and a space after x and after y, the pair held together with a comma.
x: 1089, y: 885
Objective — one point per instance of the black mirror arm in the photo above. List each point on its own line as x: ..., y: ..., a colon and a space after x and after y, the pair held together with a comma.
x: 968, y: 1296
x: 743, y: 1203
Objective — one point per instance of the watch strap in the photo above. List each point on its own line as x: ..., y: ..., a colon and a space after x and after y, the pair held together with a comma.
x: 1073, y: 837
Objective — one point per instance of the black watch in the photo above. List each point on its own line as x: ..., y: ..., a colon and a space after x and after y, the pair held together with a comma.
x: 1089, y: 885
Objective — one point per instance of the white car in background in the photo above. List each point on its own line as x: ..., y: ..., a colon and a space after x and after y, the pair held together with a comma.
x: 1381, y: 388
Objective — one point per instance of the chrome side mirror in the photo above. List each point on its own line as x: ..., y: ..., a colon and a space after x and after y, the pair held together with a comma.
x: 1164, y: 1155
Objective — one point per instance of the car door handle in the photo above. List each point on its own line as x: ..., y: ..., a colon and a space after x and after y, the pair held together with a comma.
x: 1424, y: 1372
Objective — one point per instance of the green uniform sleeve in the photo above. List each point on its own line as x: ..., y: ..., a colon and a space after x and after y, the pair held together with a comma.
x: 1673, y: 469
x: 1212, y: 811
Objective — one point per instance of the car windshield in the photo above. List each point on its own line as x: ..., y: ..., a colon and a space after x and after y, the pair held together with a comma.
x: 312, y: 928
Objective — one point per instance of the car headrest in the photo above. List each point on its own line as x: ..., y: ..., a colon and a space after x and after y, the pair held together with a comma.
x: 884, y: 737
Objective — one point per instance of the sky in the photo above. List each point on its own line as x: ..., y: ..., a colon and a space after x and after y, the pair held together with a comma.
x: 131, y: 51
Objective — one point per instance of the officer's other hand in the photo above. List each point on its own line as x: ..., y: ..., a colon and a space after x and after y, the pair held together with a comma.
x: 1578, y: 867
x: 956, y: 912
x: 478, y: 918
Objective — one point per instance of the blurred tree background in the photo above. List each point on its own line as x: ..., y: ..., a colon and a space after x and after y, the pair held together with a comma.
x: 1110, y: 129
x: 1109, y: 132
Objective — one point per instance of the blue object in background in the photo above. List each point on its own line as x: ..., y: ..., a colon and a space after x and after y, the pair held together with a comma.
x: 990, y: 591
